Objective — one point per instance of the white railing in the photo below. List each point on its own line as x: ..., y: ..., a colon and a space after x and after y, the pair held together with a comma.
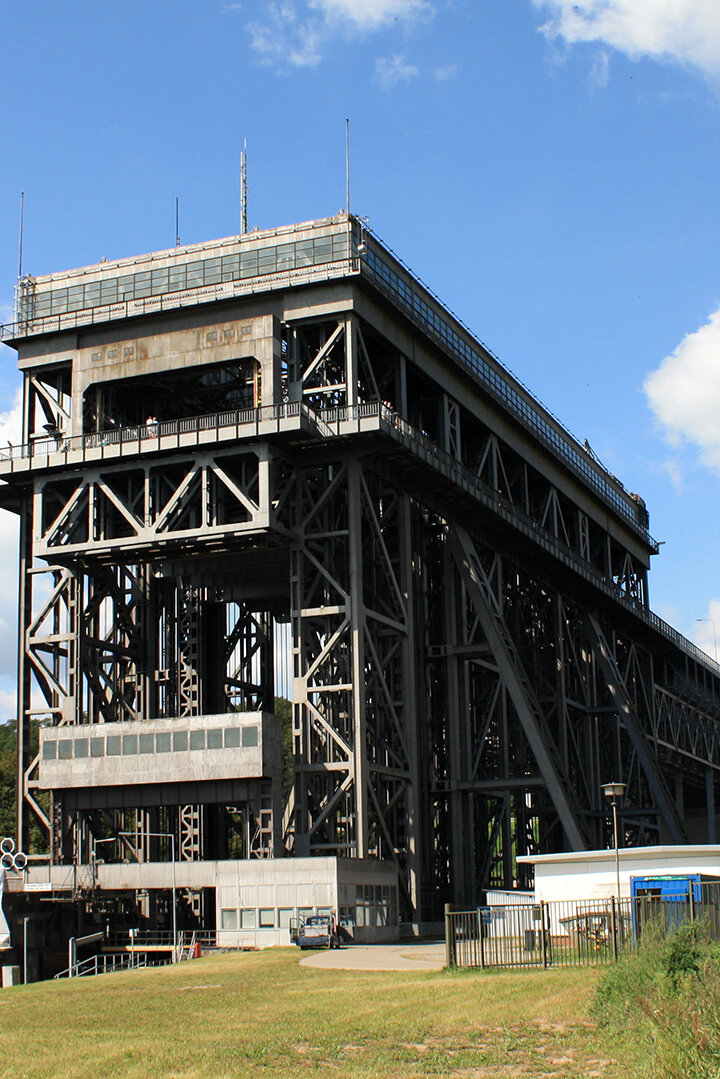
x: 106, y: 964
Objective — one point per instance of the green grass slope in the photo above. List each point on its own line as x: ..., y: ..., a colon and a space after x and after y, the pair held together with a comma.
x: 262, y: 1014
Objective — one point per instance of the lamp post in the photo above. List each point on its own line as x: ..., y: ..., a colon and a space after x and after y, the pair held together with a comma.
x: 93, y: 855
x: 615, y: 791
x: 26, y: 921
x: 171, y: 837
x: 714, y: 633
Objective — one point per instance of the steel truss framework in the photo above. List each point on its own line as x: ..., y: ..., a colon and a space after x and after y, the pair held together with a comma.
x: 471, y: 648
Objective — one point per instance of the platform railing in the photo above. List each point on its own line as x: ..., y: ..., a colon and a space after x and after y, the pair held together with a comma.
x: 147, y: 939
x: 241, y: 422
x: 334, y: 422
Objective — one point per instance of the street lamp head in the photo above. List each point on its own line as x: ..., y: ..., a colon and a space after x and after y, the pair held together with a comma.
x: 614, y: 790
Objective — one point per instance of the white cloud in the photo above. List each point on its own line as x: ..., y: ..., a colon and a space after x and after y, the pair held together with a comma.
x: 296, y: 33
x: 600, y: 71
x: 686, y: 31
x: 287, y: 39
x: 684, y: 392
x: 673, y: 469
x: 448, y: 71
x: 8, y: 705
x: 11, y: 421
x: 371, y: 14
x: 390, y: 70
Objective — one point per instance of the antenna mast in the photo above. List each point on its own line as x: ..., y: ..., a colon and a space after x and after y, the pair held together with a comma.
x: 347, y: 166
x: 243, y: 190
x: 22, y: 218
x: 177, y: 220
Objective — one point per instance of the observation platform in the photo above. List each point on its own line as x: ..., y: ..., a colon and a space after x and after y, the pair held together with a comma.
x: 266, y: 261
x: 237, y: 745
x: 398, y: 446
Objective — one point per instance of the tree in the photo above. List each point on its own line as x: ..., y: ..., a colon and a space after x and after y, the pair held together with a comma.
x: 8, y: 758
x: 283, y: 710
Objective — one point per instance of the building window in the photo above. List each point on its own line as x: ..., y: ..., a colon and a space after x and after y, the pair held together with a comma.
x: 147, y: 743
x: 285, y: 917
x: 232, y: 737
x: 130, y: 744
x: 214, y: 739
x: 180, y: 741
x: 267, y: 918
x: 248, y: 919
x: 228, y: 919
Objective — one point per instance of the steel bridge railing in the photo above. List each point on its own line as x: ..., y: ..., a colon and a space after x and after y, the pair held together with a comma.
x: 239, y: 423
x: 520, y: 519
x: 327, y: 423
x: 334, y: 421
x: 497, y: 380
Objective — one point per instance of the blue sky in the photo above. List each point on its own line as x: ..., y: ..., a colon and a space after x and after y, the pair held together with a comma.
x: 550, y: 169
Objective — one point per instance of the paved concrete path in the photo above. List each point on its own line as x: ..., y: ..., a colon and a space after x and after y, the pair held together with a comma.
x: 408, y: 955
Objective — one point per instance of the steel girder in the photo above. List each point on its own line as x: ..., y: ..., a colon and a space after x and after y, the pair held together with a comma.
x: 532, y: 710
x: 453, y: 701
x: 353, y: 680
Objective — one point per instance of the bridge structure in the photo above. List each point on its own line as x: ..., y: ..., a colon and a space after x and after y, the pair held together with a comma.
x: 276, y: 466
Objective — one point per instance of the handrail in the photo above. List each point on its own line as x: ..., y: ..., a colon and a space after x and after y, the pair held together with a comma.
x: 327, y: 423
x: 144, y: 436
x: 105, y: 964
x: 506, y: 508
x: 149, y: 938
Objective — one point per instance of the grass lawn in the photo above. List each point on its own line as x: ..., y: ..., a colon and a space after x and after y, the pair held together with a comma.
x: 262, y: 1014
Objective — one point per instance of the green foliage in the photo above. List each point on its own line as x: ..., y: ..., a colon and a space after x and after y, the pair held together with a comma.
x: 283, y: 710
x: 8, y: 786
x: 8, y: 757
x: 663, y: 1004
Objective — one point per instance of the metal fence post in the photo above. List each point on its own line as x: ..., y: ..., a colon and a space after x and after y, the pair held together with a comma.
x: 481, y: 938
x: 449, y: 938
x: 543, y: 935
x: 692, y: 902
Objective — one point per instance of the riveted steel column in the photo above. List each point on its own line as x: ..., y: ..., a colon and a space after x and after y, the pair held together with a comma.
x: 357, y: 634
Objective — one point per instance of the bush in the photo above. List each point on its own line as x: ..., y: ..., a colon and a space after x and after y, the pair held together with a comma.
x: 663, y: 1003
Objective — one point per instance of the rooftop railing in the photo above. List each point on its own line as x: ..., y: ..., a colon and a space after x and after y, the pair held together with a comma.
x: 29, y: 322
x: 503, y: 387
